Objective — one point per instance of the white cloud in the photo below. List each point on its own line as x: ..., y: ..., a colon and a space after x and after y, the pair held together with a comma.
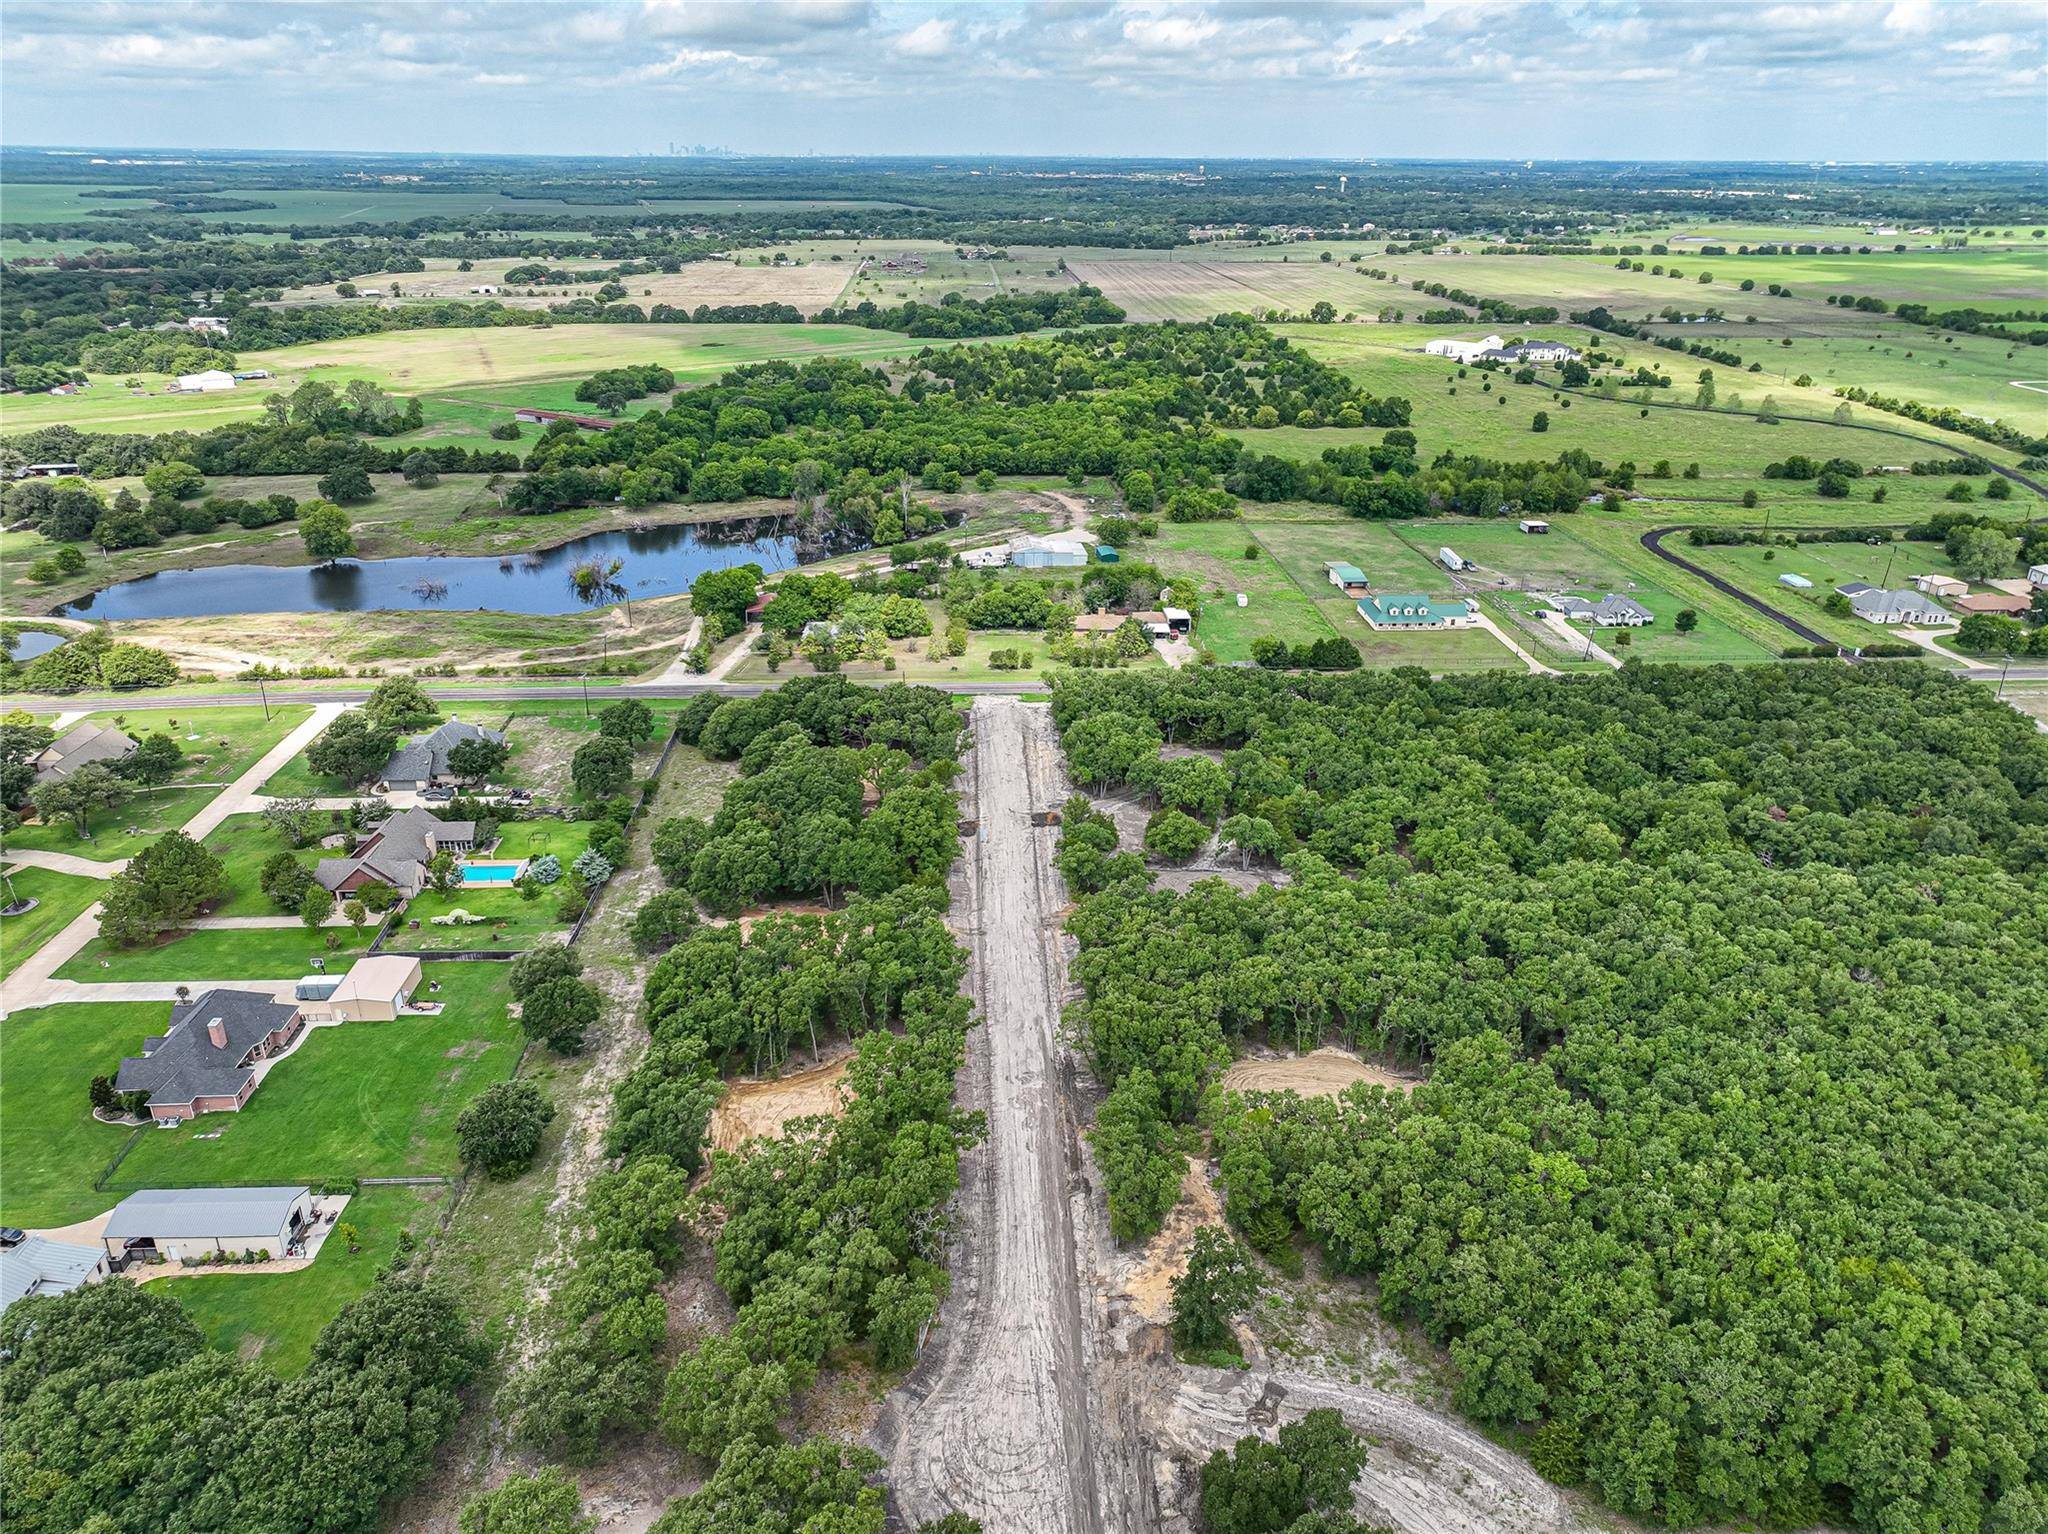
x: 1170, y: 33
x: 927, y: 40
x: 490, y: 79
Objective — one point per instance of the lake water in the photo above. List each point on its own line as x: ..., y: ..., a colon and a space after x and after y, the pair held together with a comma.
x: 659, y: 561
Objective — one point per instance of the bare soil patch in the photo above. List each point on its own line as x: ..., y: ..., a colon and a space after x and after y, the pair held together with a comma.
x: 1322, y: 1072
x: 752, y: 1110
x: 1145, y: 1280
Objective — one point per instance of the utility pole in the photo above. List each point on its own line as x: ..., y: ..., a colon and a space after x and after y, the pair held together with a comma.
x: 263, y: 693
x: 586, y: 694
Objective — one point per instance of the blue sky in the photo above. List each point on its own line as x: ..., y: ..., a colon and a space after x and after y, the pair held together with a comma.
x: 1619, y: 79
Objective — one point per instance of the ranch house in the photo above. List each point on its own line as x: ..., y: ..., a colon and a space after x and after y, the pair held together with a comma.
x: 207, y: 1061
x: 397, y: 853
x: 1407, y: 610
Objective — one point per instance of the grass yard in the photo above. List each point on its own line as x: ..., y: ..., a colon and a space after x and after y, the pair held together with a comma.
x: 120, y: 832
x: 274, y: 1318
x: 512, y: 921
x: 244, y: 844
x: 234, y: 953
x: 51, y: 1147
x: 201, y: 731
x: 1827, y: 565
x: 1213, y: 552
x: 60, y: 899
x: 354, y: 1100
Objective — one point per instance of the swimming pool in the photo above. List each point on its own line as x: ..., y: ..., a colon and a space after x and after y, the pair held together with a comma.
x: 474, y: 874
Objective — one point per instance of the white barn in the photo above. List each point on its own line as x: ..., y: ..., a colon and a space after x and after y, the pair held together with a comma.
x: 205, y: 383
x: 1463, y: 351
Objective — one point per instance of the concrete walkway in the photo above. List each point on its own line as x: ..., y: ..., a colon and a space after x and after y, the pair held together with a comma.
x: 678, y: 669
x: 33, y: 983
x: 1578, y: 642
x: 1930, y: 642
x: 62, y: 863
x: 1521, y: 654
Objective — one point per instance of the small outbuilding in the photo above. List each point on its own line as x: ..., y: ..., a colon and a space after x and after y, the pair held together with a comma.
x: 1533, y: 525
x: 1796, y: 582
x: 376, y: 989
x: 205, y: 383
x: 189, y: 1224
x: 1347, y: 578
x: 1940, y: 585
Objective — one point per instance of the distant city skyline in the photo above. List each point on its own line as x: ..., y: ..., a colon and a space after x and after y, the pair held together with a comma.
x: 1542, y: 79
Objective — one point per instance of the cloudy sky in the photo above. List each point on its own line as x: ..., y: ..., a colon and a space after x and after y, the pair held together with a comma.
x: 1634, y: 79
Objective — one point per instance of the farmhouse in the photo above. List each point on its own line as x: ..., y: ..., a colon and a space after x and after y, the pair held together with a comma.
x: 1940, y: 585
x: 1032, y: 552
x: 396, y: 853
x: 424, y: 762
x: 549, y: 417
x: 376, y: 989
x: 1412, y: 611
x: 1348, y: 579
x: 1165, y: 622
x: 189, y: 1224
x: 1610, y: 612
x: 1995, y: 602
x: 1543, y: 351
x: 205, y: 383
x: 42, y: 1266
x: 1463, y: 351
x: 206, y: 1062
x: 1874, y: 605
x: 71, y: 751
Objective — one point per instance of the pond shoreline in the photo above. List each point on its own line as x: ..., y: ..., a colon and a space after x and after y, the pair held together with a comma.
x: 287, y: 552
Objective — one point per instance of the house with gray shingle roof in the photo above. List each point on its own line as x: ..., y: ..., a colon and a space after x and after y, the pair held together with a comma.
x: 206, y: 1061
x: 396, y: 853
x: 1879, y: 606
x: 88, y: 743
x: 1610, y: 612
x: 424, y: 762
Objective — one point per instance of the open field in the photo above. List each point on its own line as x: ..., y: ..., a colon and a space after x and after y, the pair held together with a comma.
x: 448, y: 361
x: 1971, y: 373
x: 234, y: 953
x: 1190, y: 289
x: 354, y: 1100
x: 806, y: 287
x: 1468, y: 414
x: 53, y: 1146
x: 274, y: 1318
x: 59, y: 897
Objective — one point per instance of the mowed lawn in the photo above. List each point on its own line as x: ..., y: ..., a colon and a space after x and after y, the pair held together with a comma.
x: 116, y: 833
x: 274, y: 1318
x: 59, y: 900
x: 51, y: 1147
x: 244, y: 844
x: 259, y: 953
x: 354, y: 1100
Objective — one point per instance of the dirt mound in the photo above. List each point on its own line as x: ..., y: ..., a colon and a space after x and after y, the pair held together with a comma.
x: 1321, y: 1073
x: 753, y: 1109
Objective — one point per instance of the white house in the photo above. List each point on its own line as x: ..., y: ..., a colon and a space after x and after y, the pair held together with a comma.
x: 211, y: 324
x: 1462, y: 351
x: 1875, y: 605
x: 207, y: 382
x: 2037, y: 577
x: 1610, y: 612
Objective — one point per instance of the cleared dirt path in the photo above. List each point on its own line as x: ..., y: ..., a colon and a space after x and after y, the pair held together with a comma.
x: 997, y: 1421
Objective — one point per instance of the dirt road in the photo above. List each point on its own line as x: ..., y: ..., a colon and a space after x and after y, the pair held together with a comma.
x: 997, y: 1421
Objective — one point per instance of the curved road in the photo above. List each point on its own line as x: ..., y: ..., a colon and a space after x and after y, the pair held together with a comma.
x: 1653, y: 540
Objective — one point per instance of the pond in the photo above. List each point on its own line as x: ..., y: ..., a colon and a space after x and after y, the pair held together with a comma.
x: 658, y: 561
x: 29, y: 643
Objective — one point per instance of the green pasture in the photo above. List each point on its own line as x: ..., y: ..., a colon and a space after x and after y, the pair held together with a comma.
x: 354, y: 1100
x: 1971, y: 373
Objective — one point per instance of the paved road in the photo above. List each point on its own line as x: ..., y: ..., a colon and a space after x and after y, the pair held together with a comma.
x: 997, y: 1422
x: 1653, y: 540
x: 63, y: 862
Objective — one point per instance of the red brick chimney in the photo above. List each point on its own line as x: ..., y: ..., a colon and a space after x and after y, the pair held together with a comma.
x: 217, y: 1031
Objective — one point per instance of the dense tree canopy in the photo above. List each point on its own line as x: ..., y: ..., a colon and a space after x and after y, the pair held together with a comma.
x: 1730, y: 983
